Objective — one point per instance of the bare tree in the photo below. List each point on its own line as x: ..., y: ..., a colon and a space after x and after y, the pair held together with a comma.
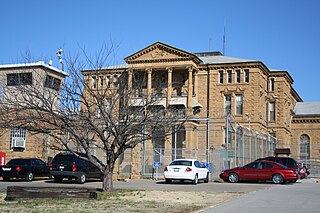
x: 112, y: 116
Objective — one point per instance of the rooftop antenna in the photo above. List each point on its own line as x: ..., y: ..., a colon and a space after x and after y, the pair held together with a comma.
x: 224, y: 37
x: 59, y: 52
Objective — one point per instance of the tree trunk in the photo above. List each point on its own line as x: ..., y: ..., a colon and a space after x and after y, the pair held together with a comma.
x: 107, y: 184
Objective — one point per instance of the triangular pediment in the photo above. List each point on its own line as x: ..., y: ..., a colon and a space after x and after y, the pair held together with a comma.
x: 161, y: 52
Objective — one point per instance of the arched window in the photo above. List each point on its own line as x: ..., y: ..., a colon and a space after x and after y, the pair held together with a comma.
x: 305, y: 149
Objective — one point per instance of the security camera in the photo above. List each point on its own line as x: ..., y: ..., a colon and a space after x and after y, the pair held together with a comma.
x: 59, y: 52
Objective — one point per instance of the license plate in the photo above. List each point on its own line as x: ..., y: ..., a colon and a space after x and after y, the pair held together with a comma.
x: 176, y: 170
x: 6, y: 169
x: 61, y: 167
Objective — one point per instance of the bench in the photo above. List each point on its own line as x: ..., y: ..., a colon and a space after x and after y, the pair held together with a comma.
x: 22, y: 193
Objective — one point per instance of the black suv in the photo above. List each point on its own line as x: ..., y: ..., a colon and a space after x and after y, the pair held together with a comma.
x: 73, y: 166
x: 291, y: 163
x: 26, y: 168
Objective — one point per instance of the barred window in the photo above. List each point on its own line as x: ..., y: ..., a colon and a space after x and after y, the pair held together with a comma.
x: 227, y: 104
x: 239, y: 104
x: 17, y: 138
x: 272, y: 113
x: 305, y: 149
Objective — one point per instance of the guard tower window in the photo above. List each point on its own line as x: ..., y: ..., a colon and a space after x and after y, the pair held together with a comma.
x: 16, y: 79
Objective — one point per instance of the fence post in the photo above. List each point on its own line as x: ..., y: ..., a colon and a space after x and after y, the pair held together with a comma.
x: 235, y: 147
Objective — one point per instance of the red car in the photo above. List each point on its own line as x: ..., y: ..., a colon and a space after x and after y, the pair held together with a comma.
x: 291, y: 163
x: 260, y: 171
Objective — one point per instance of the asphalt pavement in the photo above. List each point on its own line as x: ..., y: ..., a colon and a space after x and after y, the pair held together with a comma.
x: 302, y: 196
x: 145, y: 184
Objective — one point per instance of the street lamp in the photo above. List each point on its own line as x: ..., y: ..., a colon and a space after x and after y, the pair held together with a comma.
x: 248, y: 119
x: 59, y: 52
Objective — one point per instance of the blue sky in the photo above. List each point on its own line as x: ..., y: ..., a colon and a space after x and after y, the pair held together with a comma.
x: 283, y: 34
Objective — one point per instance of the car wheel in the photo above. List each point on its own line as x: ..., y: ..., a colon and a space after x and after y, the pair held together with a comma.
x: 6, y: 179
x: 57, y: 179
x: 82, y: 178
x: 30, y: 176
x: 207, y: 178
x: 195, y: 180
x: 168, y: 180
x: 233, y: 178
x: 277, y: 179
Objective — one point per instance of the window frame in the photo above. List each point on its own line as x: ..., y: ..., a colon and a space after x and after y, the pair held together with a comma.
x: 246, y: 76
x: 229, y: 72
x: 221, y: 79
x: 17, y: 132
x: 19, y: 79
x: 238, y: 76
x: 227, y: 104
x: 239, y: 104
x: 272, y: 113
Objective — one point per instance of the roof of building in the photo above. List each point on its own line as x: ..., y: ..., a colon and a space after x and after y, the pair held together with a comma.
x: 219, y: 59
x: 211, y: 59
x: 39, y: 63
x: 307, y: 109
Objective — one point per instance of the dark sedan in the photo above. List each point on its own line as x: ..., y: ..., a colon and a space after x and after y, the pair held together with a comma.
x: 261, y: 171
x: 26, y: 168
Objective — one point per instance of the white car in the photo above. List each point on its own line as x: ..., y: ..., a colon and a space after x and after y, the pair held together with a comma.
x: 186, y: 169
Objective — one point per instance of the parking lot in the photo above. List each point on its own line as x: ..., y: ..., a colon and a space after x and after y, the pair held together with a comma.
x: 146, y: 185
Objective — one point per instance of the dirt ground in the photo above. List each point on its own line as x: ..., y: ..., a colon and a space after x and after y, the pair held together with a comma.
x: 124, y: 201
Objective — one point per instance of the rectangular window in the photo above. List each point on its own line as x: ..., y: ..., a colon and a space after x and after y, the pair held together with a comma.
x: 16, y: 79
x: 271, y: 84
x: 108, y: 82
x: 229, y: 76
x: 101, y: 81
x: 94, y: 82
x: 246, y: 75
x: 221, y: 77
x: 227, y: 105
x: 52, y: 82
x: 272, y: 113
x: 17, y: 139
x: 115, y: 81
x: 239, y: 105
x: 238, y: 76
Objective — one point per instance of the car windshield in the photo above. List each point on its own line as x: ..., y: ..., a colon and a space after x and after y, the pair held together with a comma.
x: 18, y: 162
x: 181, y: 163
x: 64, y: 158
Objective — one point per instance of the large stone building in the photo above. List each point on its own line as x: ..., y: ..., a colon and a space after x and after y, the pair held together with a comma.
x: 215, y: 90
